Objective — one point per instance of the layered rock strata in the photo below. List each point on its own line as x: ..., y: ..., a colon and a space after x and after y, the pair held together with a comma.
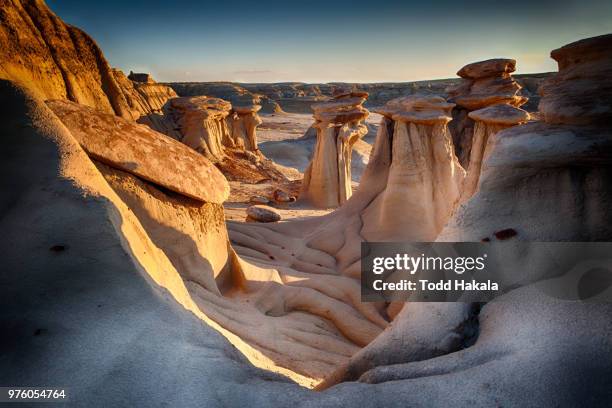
x: 483, y: 84
x: 339, y: 125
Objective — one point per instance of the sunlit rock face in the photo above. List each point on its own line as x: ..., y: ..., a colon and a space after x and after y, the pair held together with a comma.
x: 339, y: 125
x: 488, y: 121
x: 56, y: 60
x: 483, y: 84
x: 557, y: 169
x: 243, y: 122
x: 425, y: 178
x: 201, y: 122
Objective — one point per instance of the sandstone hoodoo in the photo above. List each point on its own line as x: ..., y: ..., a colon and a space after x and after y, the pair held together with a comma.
x: 541, y: 172
x: 243, y: 124
x: 483, y: 84
x: 201, y: 122
x: 488, y: 121
x: 339, y: 125
x: 119, y: 260
x: 425, y: 178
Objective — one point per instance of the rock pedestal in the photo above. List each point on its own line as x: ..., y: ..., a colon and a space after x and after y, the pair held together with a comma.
x: 424, y: 179
x: 488, y: 121
x: 243, y: 122
x: 201, y: 122
x: 484, y: 83
x: 339, y: 125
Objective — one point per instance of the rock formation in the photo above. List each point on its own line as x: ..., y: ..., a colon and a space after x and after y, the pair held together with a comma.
x: 147, y: 100
x: 117, y: 260
x: 327, y: 180
x: 243, y: 124
x: 143, y: 152
x: 141, y: 77
x: 424, y: 175
x: 201, y: 122
x: 56, y: 60
x: 484, y: 83
x: 551, y: 169
x: 488, y: 121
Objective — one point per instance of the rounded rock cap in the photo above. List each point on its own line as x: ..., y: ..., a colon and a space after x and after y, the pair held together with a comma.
x: 500, y: 114
x: 487, y: 68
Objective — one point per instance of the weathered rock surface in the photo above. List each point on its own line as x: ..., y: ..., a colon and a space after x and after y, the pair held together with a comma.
x: 263, y: 213
x: 141, y: 151
x: 423, y: 164
x: 488, y: 121
x: 581, y: 93
x: 484, y: 83
x: 201, y: 122
x: 339, y: 124
x: 243, y: 122
x: 56, y: 60
x: 282, y: 196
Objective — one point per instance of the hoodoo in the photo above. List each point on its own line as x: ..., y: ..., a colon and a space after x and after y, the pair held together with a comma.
x: 488, y: 121
x: 483, y: 84
x: 339, y: 125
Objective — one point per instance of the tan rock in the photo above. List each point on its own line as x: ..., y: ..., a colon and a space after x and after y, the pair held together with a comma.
x: 484, y: 83
x: 243, y: 123
x: 339, y: 125
x: 201, y: 122
x: 56, y: 60
x: 424, y: 177
x: 282, y: 197
x: 581, y: 93
x: 489, y: 121
x: 141, y: 151
x: 488, y: 68
x: 259, y: 200
x: 263, y: 213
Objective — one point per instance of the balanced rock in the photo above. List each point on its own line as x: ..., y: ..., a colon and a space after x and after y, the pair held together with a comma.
x: 484, y: 83
x: 339, y: 125
x: 488, y: 121
x: 139, y: 150
x: 542, y: 172
x: 243, y: 124
x: 263, y: 213
x: 201, y: 122
x: 423, y: 167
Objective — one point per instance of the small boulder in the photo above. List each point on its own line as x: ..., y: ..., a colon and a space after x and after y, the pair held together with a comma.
x: 282, y: 197
x: 262, y: 213
x: 259, y: 200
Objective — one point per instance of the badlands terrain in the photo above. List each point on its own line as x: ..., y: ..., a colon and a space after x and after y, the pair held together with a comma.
x: 198, y: 244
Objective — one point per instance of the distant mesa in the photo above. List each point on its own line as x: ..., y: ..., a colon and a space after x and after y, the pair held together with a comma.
x: 141, y: 77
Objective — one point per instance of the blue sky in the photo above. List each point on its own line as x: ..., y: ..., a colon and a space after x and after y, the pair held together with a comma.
x: 325, y: 41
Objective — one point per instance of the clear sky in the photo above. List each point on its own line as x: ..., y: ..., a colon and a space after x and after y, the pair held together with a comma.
x: 332, y: 40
